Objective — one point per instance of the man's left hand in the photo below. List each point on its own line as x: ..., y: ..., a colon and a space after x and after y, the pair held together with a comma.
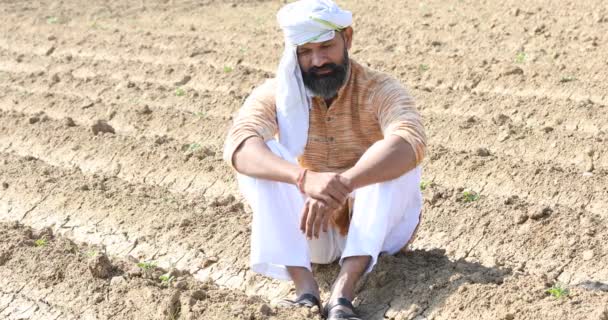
x: 315, y: 215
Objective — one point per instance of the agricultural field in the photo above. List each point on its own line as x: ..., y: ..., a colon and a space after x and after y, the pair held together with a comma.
x: 115, y: 202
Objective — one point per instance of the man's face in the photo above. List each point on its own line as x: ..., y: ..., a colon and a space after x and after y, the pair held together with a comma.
x: 324, y: 65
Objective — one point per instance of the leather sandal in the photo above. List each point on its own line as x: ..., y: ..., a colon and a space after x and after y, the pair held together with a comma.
x: 332, y: 313
x: 307, y: 300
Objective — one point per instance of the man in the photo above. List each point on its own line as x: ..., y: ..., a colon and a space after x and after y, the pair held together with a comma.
x: 326, y: 131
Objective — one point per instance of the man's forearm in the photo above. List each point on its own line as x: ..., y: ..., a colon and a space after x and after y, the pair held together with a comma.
x: 385, y: 160
x: 254, y: 158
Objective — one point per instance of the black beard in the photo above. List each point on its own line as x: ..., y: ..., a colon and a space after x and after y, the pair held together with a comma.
x: 326, y: 86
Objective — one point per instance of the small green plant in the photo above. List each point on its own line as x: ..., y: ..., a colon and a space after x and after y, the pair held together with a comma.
x: 558, y: 291
x: 42, y: 242
x: 520, y: 57
x: 567, y: 79
x: 228, y: 69
x: 423, y: 67
x: 199, y: 114
x: 52, y: 20
x: 92, y: 253
x: 470, y: 196
x: 147, y: 265
x: 180, y: 92
x: 194, y: 147
x: 424, y: 185
x: 166, y: 279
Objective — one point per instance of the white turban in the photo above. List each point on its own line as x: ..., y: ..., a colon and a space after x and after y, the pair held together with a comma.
x: 302, y: 22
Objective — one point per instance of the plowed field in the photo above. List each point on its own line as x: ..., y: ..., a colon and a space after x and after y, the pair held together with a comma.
x: 112, y: 120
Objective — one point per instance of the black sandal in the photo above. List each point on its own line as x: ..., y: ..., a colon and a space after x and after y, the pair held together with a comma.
x: 307, y: 300
x: 338, y: 314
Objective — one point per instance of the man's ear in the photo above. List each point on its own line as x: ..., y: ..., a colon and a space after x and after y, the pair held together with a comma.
x: 348, y: 37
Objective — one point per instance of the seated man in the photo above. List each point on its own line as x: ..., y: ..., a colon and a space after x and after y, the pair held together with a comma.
x: 327, y: 155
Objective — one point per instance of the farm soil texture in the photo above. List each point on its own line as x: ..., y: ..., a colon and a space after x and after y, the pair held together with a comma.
x: 115, y: 202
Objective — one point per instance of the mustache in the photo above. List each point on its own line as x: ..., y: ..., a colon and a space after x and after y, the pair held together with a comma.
x: 332, y: 67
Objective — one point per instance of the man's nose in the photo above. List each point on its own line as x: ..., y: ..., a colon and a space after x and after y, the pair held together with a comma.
x: 319, y: 59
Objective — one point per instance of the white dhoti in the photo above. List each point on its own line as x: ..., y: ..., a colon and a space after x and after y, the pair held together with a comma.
x: 385, y: 217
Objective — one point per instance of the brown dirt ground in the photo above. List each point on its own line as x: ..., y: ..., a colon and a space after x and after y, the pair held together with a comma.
x: 112, y: 118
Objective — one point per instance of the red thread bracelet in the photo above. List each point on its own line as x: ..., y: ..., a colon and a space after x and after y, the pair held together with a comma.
x: 300, y: 182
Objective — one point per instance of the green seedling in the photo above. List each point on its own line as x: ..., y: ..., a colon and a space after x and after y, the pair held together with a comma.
x: 52, y: 20
x: 424, y: 185
x: 194, y: 146
x: 470, y: 196
x: 147, y: 265
x: 97, y: 25
x: 166, y: 279
x: 227, y: 69
x: 423, y: 67
x: 567, y: 79
x: 520, y: 57
x: 42, y: 242
x: 180, y: 92
x: 92, y: 253
x: 199, y: 114
x: 558, y: 291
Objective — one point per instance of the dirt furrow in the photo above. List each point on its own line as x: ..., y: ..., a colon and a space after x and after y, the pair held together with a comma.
x: 540, y: 182
x: 539, y: 64
x: 137, y: 119
x: 566, y: 115
x: 50, y: 277
x: 94, y: 74
x: 156, y: 161
x: 501, y: 74
x: 501, y: 137
x: 549, y: 240
x: 148, y: 160
x: 204, y: 236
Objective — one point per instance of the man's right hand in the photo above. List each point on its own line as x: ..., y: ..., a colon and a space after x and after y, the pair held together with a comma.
x: 331, y: 188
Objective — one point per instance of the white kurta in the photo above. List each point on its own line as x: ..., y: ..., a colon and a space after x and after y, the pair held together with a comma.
x: 385, y: 217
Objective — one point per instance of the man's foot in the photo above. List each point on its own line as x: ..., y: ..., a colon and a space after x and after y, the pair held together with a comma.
x: 307, y: 300
x: 340, y: 309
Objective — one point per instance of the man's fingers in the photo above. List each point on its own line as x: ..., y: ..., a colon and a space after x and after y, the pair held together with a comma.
x: 312, y: 215
x: 317, y: 226
x: 304, y: 217
x: 326, y: 222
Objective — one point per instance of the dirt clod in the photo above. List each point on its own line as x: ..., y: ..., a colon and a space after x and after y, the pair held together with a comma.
x: 199, y: 295
x: 118, y: 281
x: 588, y: 255
x: 87, y: 104
x: 513, y: 71
x: 49, y: 51
x: 482, y: 152
x: 521, y: 218
x: 69, y: 122
x: 541, y: 213
x: 183, y: 81
x: 144, y: 110
x: 265, y: 310
x: 100, y: 266
x: 101, y: 126
x: 54, y: 78
x: 208, y: 261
